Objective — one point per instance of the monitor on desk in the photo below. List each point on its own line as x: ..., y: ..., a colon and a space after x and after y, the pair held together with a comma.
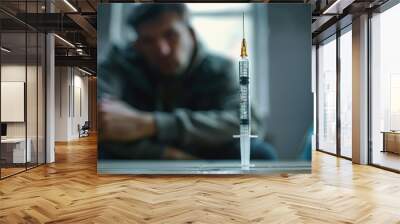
x: 3, y: 130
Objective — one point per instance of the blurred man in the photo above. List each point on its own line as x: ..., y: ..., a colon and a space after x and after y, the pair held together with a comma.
x: 166, y: 97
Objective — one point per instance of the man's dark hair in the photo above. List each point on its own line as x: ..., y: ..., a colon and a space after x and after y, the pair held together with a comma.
x: 146, y: 12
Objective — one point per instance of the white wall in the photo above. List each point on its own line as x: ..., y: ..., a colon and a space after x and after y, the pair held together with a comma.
x: 61, y: 103
x: 80, y: 109
x: 71, y: 94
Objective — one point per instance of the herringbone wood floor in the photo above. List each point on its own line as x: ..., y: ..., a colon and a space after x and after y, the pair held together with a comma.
x: 70, y: 191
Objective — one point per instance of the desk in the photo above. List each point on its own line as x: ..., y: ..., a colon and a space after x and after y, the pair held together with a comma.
x: 200, y: 167
x: 391, y: 141
x: 13, y: 150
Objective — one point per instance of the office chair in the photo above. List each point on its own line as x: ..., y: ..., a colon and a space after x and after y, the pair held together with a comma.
x: 84, y: 130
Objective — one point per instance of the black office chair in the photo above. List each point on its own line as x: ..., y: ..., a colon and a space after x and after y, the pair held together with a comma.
x: 84, y: 130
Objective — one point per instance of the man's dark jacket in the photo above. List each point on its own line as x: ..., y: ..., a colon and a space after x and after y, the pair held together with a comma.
x: 198, y: 109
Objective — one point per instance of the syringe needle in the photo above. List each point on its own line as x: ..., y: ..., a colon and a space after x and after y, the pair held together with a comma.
x: 243, y: 26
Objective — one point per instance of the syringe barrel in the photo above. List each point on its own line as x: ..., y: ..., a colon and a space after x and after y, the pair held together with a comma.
x: 244, y: 81
x: 245, y: 118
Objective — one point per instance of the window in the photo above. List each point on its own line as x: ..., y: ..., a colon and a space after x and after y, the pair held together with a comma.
x: 334, y: 106
x: 210, y: 19
x: 346, y: 93
x: 327, y: 96
x: 385, y: 88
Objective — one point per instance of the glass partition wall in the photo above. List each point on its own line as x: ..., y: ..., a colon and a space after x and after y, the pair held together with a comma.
x: 334, y: 83
x: 22, y: 77
x: 13, y: 110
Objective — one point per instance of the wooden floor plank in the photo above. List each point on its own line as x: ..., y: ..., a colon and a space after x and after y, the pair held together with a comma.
x: 70, y: 191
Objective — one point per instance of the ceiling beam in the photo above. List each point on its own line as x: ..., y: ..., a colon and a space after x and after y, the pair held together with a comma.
x: 83, y: 61
x: 84, y: 24
x: 337, y: 6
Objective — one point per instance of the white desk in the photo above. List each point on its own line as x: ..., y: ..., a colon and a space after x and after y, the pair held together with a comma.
x: 18, y: 150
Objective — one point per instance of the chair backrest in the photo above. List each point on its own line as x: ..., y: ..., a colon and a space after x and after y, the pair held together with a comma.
x: 86, y: 124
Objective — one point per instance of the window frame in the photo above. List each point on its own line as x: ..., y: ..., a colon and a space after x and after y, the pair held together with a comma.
x: 333, y: 37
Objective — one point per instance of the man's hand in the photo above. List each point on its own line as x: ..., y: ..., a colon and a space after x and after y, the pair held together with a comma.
x: 121, y: 122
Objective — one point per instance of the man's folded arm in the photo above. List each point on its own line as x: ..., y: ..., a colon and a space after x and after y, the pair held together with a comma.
x: 185, y: 127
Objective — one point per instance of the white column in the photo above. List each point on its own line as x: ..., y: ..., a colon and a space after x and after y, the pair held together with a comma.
x: 50, y: 92
x: 50, y: 100
x: 360, y: 90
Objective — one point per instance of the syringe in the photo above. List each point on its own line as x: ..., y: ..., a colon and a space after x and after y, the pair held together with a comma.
x: 245, y: 113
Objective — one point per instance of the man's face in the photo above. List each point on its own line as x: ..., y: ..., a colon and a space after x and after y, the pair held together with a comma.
x: 166, y: 43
